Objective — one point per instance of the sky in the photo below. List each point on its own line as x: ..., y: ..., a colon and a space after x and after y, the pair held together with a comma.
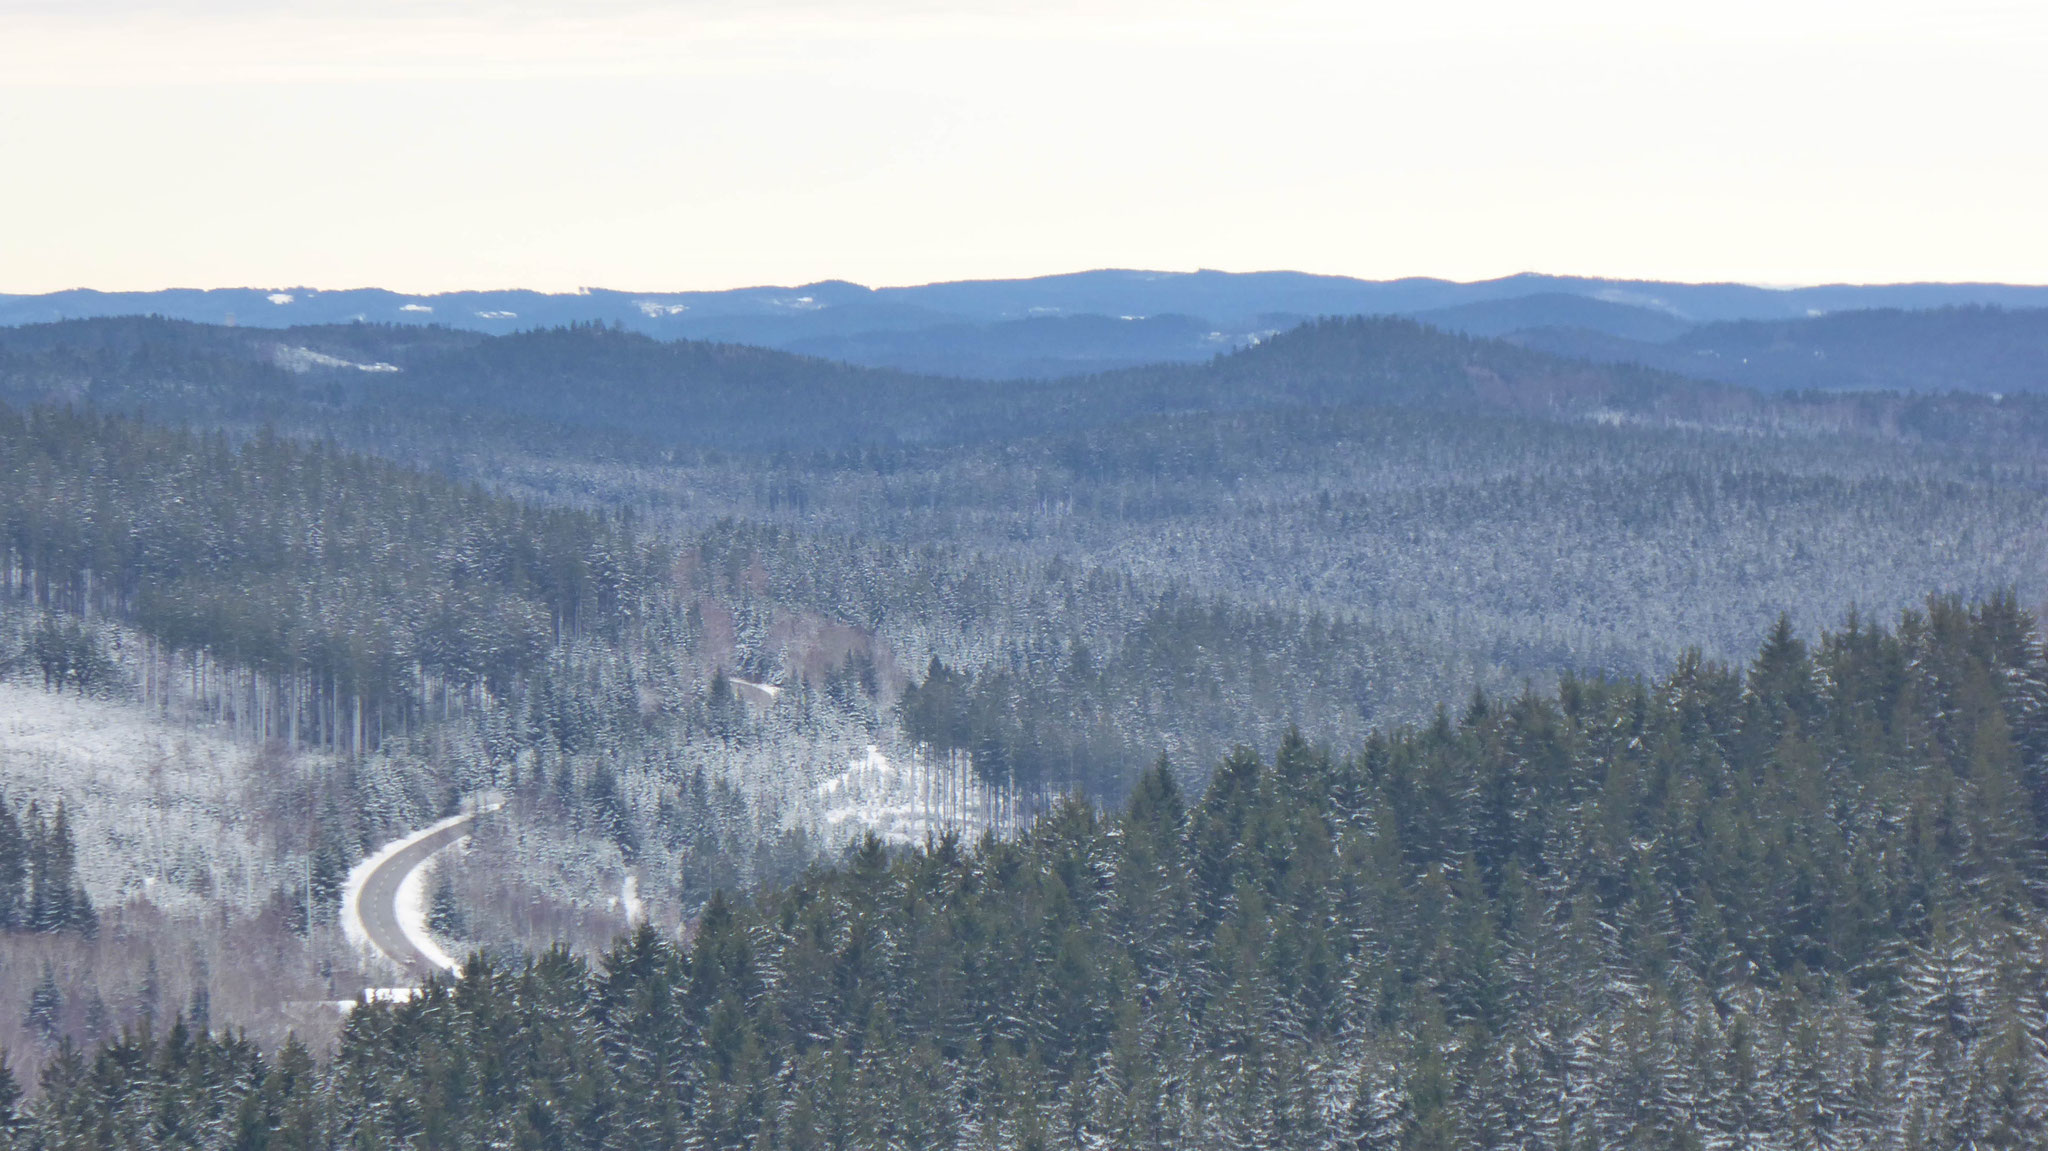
x: 443, y: 144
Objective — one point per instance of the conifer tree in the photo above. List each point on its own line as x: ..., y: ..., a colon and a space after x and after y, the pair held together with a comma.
x: 45, y: 1015
x: 15, y: 871
x: 11, y: 1119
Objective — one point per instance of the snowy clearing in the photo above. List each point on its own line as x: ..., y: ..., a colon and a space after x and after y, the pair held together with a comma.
x: 156, y: 805
x: 902, y: 803
x: 306, y: 359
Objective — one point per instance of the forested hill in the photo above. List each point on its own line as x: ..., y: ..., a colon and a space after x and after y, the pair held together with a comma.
x: 1369, y: 361
x: 599, y: 379
x: 608, y: 392
x: 347, y: 591
x: 1978, y: 349
x: 1793, y: 906
x: 376, y: 385
x: 1389, y: 361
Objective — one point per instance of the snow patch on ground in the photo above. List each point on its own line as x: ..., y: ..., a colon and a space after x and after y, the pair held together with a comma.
x: 306, y: 359
x: 871, y: 793
x: 902, y: 803
x: 655, y: 309
x: 772, y: 692
x: 630, y: 901
x: 280, y: 298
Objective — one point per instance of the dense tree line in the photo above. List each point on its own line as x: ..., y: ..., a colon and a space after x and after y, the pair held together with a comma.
x: 1183, y: 674
x: 68, y: 653
x: 1795, y: 905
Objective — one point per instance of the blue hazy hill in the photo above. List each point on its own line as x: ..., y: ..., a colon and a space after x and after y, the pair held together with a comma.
x: 1058, y: 325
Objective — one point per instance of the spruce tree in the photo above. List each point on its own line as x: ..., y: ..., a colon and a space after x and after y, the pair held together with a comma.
x: 11, y: 1119
x: 14, y: 870
x: 44, y: 1018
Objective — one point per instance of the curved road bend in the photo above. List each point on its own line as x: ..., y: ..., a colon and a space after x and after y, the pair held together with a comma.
x: 379, y: 902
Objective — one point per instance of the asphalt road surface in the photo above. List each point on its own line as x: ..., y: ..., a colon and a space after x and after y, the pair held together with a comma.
x: 379, y: 902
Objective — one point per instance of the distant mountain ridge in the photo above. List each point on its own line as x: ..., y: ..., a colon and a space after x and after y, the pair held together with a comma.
x: 1051, y: 325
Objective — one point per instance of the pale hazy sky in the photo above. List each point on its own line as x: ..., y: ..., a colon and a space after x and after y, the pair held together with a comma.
x: 520, y: 143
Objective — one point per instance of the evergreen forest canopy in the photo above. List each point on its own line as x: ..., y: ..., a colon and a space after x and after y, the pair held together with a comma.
x: 1795, y: 905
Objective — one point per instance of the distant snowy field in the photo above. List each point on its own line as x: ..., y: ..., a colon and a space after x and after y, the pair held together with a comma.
x: 155, y: 805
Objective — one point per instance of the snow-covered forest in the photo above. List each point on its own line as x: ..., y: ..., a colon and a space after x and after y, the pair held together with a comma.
x: 1788, y: 905
x: 707, y: 618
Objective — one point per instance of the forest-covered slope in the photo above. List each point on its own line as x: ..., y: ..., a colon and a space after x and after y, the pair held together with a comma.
x: 1971, y: 349
x: 351, y: 589
x: 359, y: 380
x: 1796, y: 904
x: 376, y: 386
x: 440, y: 393
x: 1460, y: 511
x: 1504, y: 512
x: 292, y: 653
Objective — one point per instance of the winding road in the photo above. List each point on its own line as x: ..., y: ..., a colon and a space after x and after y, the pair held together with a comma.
x: 373, y: 898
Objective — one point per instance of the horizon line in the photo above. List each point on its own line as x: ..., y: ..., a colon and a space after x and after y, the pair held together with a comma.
x: 590, y: 289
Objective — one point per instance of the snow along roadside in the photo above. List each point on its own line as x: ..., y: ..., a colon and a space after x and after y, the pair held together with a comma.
x: 411, y: 898
x: 411, y: 911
